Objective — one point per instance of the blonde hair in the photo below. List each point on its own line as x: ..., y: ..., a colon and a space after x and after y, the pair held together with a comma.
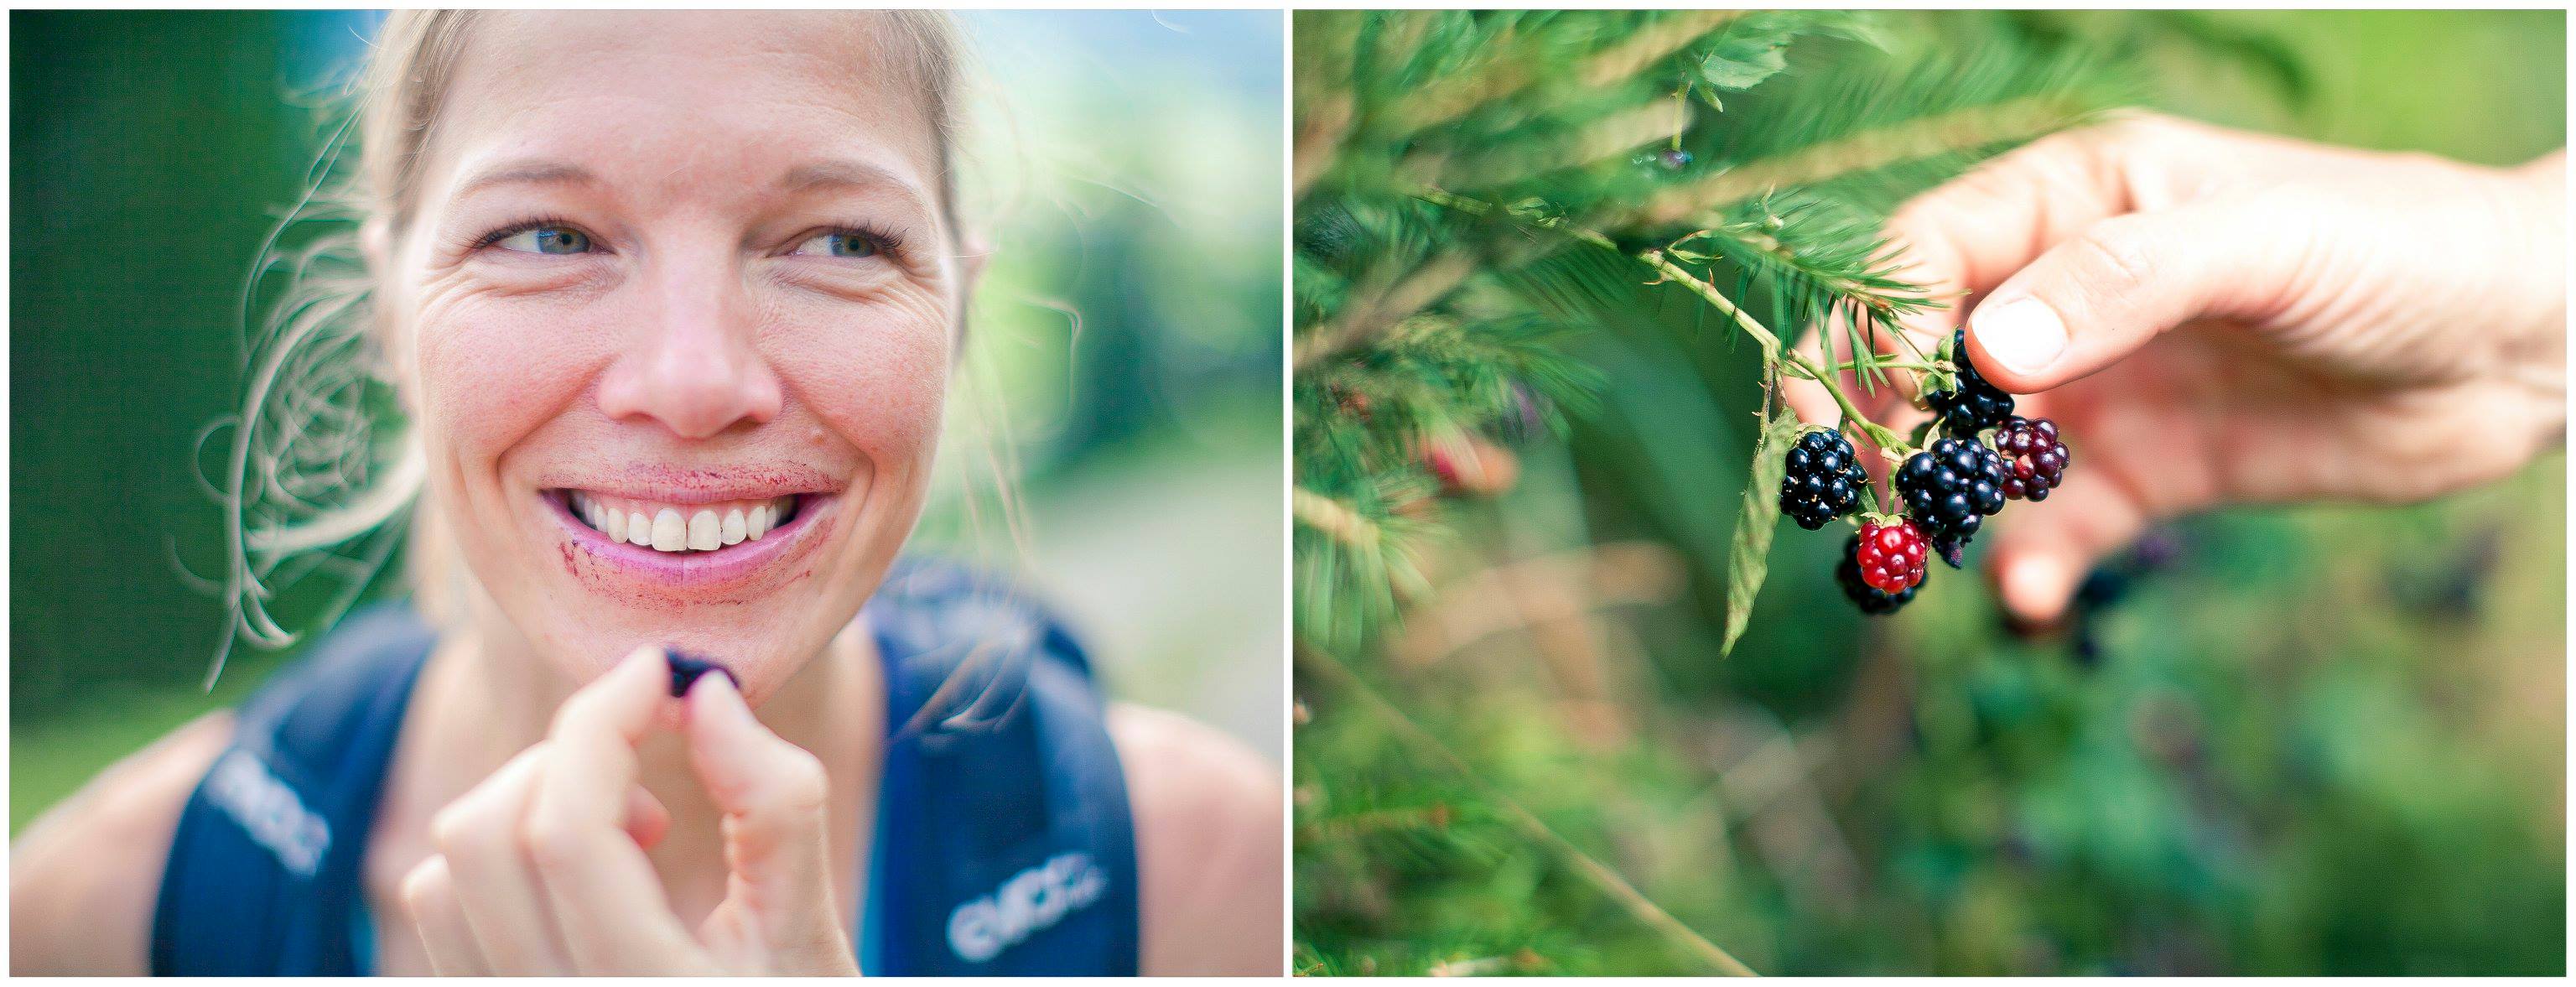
x: 321, y: 466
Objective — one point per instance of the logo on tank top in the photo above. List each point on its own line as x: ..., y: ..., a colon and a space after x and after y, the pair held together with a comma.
x: 1028, y: 903
x: 269, y: 811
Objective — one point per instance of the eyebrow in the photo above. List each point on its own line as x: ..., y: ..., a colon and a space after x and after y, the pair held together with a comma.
x: 529, y: 171
x: 849, y: 174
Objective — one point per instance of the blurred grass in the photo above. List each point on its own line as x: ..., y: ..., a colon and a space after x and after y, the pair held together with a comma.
x: 1144, y: 448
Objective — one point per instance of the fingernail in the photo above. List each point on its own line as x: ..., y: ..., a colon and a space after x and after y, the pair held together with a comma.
x: 686, y: 668
x: 2032, y: 589
x: 2023, y: 334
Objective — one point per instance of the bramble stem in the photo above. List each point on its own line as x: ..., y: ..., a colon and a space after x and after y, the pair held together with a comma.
x: 1771, y: 347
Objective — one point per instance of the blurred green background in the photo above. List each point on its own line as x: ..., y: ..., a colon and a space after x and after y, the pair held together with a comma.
x: 2319, y: 740
x: 1123, y: 366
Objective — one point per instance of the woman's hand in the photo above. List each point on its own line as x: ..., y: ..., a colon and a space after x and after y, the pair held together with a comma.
x: 2217, y: 317
x: 541, y: 869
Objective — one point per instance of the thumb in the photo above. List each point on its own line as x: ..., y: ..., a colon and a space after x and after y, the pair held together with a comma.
x: 2088, y: 302
x: 773, y: 795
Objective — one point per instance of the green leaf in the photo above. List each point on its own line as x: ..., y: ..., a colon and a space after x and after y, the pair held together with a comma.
x: 1754, y: 48
x: 1743, y: 62
x: 1748, y: 560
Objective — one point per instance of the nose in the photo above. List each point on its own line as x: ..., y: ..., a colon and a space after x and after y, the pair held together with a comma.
x: 691, y: 362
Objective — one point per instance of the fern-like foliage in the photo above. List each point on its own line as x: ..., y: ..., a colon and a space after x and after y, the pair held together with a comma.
x: 1478, y: 190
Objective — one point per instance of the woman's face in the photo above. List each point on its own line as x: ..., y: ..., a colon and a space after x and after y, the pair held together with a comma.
x: 678, y: 298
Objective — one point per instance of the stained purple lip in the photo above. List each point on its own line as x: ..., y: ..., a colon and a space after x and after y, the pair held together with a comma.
x: 654, y: 570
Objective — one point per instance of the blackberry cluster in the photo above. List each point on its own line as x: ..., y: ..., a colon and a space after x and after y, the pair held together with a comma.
x: 1946, y: 491
x: 1823, y: 481
x: 1949, y: 490
x: 1870, y: 599
x: 1976, y: 405
x: 2034, y: 460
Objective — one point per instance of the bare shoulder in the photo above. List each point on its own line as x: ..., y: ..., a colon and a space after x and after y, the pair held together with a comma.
x: 83, y: 877
x: 1210, y: 845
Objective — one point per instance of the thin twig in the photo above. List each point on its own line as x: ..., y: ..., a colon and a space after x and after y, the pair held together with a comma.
x: 1770, y: 344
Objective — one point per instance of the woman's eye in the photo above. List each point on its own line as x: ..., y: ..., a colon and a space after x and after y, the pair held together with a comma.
x: 547, y: 240
x: 838, y: 245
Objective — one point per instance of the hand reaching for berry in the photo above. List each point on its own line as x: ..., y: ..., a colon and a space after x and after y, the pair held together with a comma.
x: 541, y: 869
x: 2213, y: 317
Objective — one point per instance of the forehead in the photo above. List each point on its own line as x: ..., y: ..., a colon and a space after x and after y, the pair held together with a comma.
x: 683, y: 96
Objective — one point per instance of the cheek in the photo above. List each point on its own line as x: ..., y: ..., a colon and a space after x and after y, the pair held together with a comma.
x: 491, y: 372
x: 879, y: 379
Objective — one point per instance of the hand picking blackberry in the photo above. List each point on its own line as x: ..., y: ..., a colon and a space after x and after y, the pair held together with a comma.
x: 1870, y: 599
x: 1976, y: 405
x: 2034, y: 460
x: 1950, y: 489
x: 1823, y: 480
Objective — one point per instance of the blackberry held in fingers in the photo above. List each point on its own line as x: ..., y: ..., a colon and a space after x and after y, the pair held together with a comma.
x: 1976, y: 405
x: 1950, y: 489
x: 2034, y: 460
x: 1823, y: 480
x: 1870, y: 599
x: 687, y: 668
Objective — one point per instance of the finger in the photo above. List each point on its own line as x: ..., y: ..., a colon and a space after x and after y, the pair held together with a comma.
x: 2092, y: 300
x: 773, y: 794
x: 478, y: 838
x: 606, y: 896
x: 429, y: 893
x: 646, y: 820
x: 2043, y: 551
x: 1966, y: 236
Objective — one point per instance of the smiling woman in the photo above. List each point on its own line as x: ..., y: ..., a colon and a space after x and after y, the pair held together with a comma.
x: 670, y: 305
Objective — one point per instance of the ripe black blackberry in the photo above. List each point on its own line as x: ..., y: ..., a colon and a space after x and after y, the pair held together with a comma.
x: 1823, y: 481
x: 1868, y: 599
x: 2033, y: 457
x: 687, y: 668
x: 1949, y: 489
x: 1976, y: 405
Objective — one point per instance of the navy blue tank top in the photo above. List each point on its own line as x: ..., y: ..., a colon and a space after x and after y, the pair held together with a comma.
x: 1003, y: 843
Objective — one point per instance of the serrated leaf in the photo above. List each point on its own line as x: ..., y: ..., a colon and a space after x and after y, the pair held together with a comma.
x: 1748, y: 558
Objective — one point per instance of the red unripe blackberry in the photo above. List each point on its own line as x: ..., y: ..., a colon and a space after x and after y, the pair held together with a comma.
x: 1890, y: 556
x: 1870, y: 599
x: 2034, y: 460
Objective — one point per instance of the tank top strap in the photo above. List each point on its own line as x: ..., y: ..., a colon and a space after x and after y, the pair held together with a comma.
x: 263, y: 874
x: 1004, y: 844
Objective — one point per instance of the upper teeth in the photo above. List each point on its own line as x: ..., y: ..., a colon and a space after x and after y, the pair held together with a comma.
x: 680, y: 527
